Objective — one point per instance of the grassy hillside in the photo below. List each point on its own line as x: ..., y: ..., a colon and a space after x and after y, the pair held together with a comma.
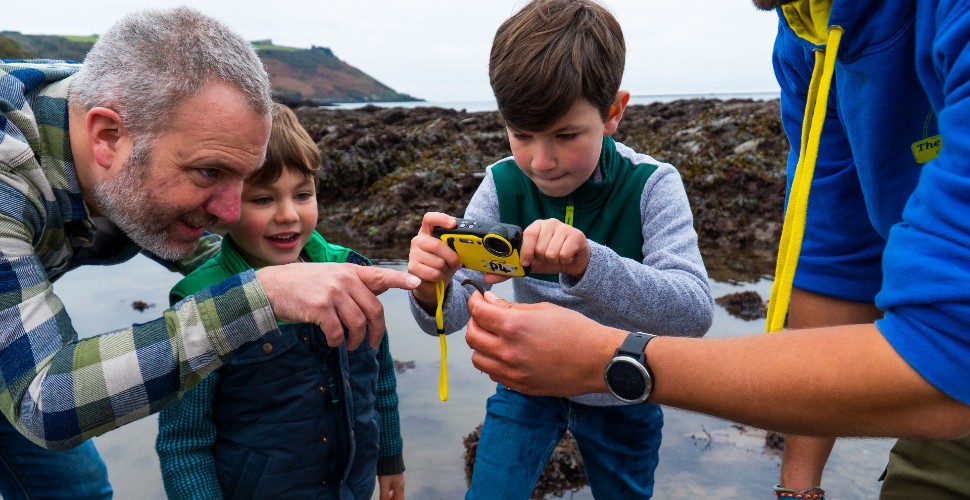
x: 46, y: 46
x: 317, y: 74
x: 313, y: 75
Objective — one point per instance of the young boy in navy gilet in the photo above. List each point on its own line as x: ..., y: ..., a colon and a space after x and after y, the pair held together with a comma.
x: 289, y: 417
x: 608, y: 232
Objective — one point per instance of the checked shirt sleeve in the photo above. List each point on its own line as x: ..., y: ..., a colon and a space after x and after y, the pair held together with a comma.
x: 186, y: 433
x: 59, y: 391
x: 391, y: 460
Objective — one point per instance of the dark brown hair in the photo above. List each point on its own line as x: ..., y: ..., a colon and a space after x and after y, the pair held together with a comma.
x: 551, y: 54
x: 290, y: 146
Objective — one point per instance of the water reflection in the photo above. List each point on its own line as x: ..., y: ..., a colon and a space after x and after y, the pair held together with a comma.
x: 700, y: 456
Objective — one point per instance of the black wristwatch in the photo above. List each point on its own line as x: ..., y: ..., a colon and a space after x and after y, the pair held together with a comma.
x: 628, y: 376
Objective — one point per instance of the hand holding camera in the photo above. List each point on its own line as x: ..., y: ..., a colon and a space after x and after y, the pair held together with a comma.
x: 430, y: 259
x: 546, y: 246
x: 552, y: 246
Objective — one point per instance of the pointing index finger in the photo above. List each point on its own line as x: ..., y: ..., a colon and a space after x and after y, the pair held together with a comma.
x: 379, y: 279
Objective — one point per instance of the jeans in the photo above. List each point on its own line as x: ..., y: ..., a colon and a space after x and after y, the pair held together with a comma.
x: 619, y: 445
x: 29, y: 471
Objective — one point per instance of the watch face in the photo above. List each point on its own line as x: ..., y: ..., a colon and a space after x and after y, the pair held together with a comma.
x: 627, y: 379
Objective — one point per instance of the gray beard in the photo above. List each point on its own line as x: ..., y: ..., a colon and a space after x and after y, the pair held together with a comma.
x: 127, y: 201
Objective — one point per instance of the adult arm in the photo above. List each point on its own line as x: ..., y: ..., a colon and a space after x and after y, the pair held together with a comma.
x: 186, y: 433
x: 59, y: 391
x: 858, y: 385
x: 336, y: 297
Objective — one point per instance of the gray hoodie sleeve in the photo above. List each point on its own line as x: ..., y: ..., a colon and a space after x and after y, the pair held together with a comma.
x: 666, y: 294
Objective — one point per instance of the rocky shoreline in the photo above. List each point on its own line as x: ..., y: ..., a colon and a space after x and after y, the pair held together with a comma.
x: 383, y: 168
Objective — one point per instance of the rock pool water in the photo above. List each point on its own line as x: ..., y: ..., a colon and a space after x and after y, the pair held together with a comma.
x: 700, y: 456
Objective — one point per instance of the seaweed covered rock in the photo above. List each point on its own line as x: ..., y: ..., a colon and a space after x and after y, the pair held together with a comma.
x: 747, y: 305
x: 731, y: 155
x: 383, y: 168
x: 564, y: 472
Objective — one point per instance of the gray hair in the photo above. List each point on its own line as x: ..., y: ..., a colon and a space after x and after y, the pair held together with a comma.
x: 152, y: 60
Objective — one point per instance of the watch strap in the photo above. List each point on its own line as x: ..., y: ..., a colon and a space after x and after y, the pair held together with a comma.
x: 627, y: 375
x: 634, y: 345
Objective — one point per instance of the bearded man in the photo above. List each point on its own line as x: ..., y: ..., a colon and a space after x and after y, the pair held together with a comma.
x: 138, y: 149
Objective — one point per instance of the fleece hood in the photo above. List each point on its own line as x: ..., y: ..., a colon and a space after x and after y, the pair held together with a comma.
x: 809, y: 19
x: 866, y: 23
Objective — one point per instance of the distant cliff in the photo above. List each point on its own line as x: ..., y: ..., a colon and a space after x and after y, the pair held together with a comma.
x: 299, y: 76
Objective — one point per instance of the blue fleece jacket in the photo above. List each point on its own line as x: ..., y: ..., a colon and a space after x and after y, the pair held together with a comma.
x: 893, y: 170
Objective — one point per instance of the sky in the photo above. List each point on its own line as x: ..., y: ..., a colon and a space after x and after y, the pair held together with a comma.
x: 437, y: 50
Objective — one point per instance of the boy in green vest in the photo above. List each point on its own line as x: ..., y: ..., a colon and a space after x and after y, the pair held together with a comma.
x: 288, y: 416
x: 608, y: 232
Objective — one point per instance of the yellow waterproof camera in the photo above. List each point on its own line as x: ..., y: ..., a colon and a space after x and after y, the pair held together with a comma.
x: 490, y: 247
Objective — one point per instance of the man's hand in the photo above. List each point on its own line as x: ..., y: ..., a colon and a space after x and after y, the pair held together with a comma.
x: 333, y: 296
x: 539, y: 348
x: 392, y: 487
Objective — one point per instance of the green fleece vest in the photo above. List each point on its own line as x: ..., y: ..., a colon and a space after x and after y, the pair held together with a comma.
x: 607, y: 210
x: 229, y: 262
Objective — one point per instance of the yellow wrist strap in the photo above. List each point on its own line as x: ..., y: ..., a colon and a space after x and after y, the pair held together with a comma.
x: 439, y: 318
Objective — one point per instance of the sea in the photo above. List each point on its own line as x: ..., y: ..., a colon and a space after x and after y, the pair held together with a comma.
x: 472, y: 106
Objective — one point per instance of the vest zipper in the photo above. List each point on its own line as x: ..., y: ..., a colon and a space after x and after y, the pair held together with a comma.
x: 570, y: 210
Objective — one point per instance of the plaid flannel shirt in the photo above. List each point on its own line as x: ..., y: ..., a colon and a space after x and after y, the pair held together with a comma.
x: 58, y: 390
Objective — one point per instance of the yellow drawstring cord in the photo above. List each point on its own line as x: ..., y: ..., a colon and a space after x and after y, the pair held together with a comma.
x: 794, y: 229
x: 439, y: 317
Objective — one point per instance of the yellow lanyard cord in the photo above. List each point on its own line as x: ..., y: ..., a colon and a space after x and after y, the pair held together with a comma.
x: 794, y: 229
x: 439, y: 318
x: 443, y: 377
x: 570, y: 210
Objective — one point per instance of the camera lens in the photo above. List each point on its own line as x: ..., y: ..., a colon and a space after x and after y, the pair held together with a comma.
x: 497, y: 245
x: 501, y: 231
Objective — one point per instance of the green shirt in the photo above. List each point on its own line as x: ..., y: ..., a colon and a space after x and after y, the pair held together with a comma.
x: 184, y: 442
